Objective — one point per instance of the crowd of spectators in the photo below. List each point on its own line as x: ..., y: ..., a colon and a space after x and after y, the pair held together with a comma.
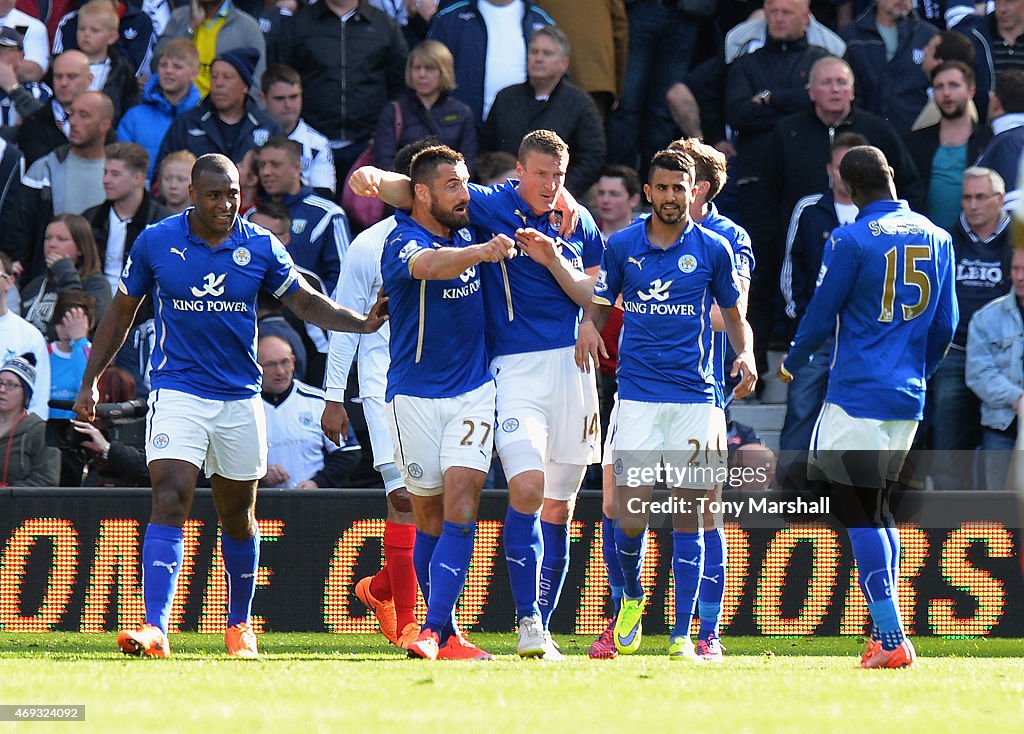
x: 104, y: 105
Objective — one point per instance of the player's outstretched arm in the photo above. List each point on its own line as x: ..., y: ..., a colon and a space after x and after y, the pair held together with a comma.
x: 392, y: 188
x: 110, y: 335
x: 451, y: 262
x: 578, y: 285
x: 316, y: 308
x: 742, y: 340
x: 589, y: 344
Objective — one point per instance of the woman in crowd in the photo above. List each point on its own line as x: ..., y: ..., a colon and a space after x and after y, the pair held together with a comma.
x: 425, y: 107
x: 25, y: 459
x: 72, y: 263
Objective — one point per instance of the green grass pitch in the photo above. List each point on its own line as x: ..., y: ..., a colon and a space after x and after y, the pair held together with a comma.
x: 357, y: 683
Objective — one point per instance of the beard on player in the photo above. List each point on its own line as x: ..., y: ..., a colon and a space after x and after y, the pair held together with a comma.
x: 453, y: 217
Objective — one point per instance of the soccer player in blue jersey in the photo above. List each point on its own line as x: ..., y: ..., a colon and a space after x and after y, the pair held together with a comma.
x: 203, y: 269
x: 440, y: 392
x: 668, y: 271
x: 886, y: 289
x: 547, y: 410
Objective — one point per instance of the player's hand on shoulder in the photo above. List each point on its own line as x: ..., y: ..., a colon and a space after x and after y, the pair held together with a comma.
x: 378, y: 315
x: 589, y: 346
x: 745, y: 368
x: 538, y: 246
x: 498, y: 248
x: 334, y: 421
x: 566, y: 215
x: 365, y: 181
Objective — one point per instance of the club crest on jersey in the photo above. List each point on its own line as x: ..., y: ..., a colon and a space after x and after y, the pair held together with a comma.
x: 918, y: 55
x: 161, y: 440
x: 298, y: 226
x: 465, y: 234
x: 260, y: 136
x: 510, y: 426
x: 306, y: 419
x: 213, y: 285
x: 241, y: 256
x: 687, y: 263
x: 602, y: 281
x: 415, y: 471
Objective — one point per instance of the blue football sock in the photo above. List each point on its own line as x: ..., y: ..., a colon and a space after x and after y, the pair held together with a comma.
x: 162, y: 552
x: 712, y: 583
x: 892, y: 534
x: 523, y: 549
x: 611, y: 561
x: 873, y: 552
x: 554, y: 566
x: 630, y: 551
x: 241, y: 562
x: 687, y: 560
x: 448, y: 569
x: 422, y: 552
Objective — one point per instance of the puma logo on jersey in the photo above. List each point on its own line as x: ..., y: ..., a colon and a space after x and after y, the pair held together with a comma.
x: 657, y: 292
x: 639, y: 263
x: 212, y: 286
x: 180, y: 253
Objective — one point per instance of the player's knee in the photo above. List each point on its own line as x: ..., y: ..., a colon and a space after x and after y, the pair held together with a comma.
x: 171, y: 504
x: 526, y: 491
x: 399, y: 503
x: 556, y: 512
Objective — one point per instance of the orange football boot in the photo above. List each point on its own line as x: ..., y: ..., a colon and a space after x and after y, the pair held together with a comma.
x: 902, y: 657
x: 147, y: 641
x: 384, y: 611
x: 426, y: 645
x: 240, y: 641
x: 459, y: 648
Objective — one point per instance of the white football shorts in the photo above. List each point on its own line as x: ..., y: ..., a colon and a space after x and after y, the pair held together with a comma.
x: 858, y: 452
x: 229, y: 437
x: 431, y: 435
x: 688, y: 441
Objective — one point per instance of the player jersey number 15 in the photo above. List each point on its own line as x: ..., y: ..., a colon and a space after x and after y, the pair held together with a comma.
x: 912, y: 276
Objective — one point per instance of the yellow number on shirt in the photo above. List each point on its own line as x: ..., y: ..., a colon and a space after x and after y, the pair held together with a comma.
x: 912, y: 276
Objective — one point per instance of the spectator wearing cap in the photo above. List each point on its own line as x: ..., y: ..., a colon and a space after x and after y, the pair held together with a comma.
x: 18, y: 336
x: 228, y: 120
x: 18, y: 99
x: 37, y: 42
x: 218, y: 28
x: 25, y: 459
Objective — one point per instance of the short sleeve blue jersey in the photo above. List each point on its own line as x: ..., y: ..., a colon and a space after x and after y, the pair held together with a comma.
x: 527, y: 311
x: 743, y: 260
x: 205, y: 303
x: 437, y: 326
x: 665, y: 354
x: 887, y: 290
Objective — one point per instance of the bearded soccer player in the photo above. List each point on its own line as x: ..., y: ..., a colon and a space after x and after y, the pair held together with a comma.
x: 203, y: 269
x: 710, y: 172
x: 886, y: 287
x: 440, y: 392
x: 547, y: 420
x: 669, y: 272
x: 390, y: 593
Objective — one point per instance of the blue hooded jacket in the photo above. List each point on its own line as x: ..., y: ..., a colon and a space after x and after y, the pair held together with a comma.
x: 148, y: 122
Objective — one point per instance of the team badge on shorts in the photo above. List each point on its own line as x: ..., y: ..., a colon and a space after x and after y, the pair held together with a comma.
x: 510, y: 426
x: 618, y: 466
x: 161, y: 440
x: 687, y: 263
x: 241, y: 256
x: 415, y: 471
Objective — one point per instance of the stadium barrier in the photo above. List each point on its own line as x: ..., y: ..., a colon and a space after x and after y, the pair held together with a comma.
x: 69, y: 560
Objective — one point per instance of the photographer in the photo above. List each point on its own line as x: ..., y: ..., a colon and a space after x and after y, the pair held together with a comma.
x: 118, y: 464
x: 25, y: 459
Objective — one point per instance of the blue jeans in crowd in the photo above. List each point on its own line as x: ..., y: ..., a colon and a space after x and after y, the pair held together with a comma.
x: 955, y: 423
x: 661, y: 43
x: 997, y: 449
x: 804, y: 398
